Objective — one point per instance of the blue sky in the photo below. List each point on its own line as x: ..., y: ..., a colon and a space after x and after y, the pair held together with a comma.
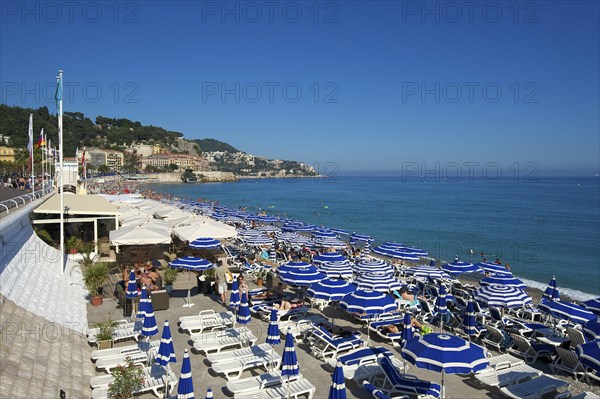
x: 370, y: 86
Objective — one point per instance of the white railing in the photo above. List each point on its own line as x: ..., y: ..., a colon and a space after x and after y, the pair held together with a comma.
x: 25, y: 198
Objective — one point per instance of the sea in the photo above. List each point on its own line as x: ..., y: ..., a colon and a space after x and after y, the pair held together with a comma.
x: 542, y: 227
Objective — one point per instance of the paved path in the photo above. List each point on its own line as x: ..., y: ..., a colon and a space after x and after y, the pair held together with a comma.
x: 8, y: 193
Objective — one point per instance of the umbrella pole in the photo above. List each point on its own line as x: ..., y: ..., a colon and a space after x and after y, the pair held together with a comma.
x: 188, y: 302
x: 443, y: 389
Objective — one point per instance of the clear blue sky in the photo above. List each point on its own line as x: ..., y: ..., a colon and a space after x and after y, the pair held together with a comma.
x: 373, y: 59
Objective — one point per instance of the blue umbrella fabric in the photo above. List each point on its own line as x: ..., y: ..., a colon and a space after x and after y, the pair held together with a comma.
x: 589, y: 354
x: 328, y: 257
x: 243, y: 316
x: 191, y: 263
x: 149, y: 328
x: 502, y: 296
x: 330, y: 289
x: 446, y: 354
x: 441, y: 306
x: 567, y: 311
x: 368, y: 302
x: 458, y: 267
x: 166, y: 351
x: 377, y: 282
x: 430, y: 272
x: 209, y: 393
x: 143, y: 305
x: 338, y: 385
x: 593, y: 305
x: 273, y: 337
x: 205, y: 243
x: 292, y: 266
x: 303, y: 277
x: 234, y: 299
x: 592, y: 328
x: 289, y: 362
x: 503, y: 279
x: 374, y: 266
x: 407, y: 330
x: 493, y: 268
x: 132, y: 291
x: 551, y: 293
x: 469, y: 321
x: 337, y: 269
x: 185, y: 389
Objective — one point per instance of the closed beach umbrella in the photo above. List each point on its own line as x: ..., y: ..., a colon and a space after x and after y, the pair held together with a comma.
x: 144, y: 301
x: 338, y: 386
x: 272, y: 252
x: 503, y: 279
x: 337, y: 269
x: 205, y: 243
x: 243, y: 316
x: 469, y: 321
x: 407, y: 330
x: 377, y: 282
x: 551, y: 293
x: 234, y: 299
x: 273, y: 337
x: 209, y: 393
x: 502, y: 296
x: 458, y: 267
x: 567, y: 311
x: 166, y: 351
x: 132, y: 291
x: 492, y: 268
x: 367, y: 249
x: 589, y: 354
x: 289, y: 361
x: 446, y: 354
x: 441, y: 308
x: 185, y: 389
x: 330, y: 289
x: 593, y: 305
x: 149, y: 328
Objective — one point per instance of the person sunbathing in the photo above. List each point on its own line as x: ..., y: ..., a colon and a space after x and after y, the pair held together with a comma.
x: 396, y: 328
x: 276, y: 292
x: 285, y: 305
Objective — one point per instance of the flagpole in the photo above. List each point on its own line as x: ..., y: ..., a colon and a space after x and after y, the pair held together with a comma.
x: 32, y: 155
x: 43, y: 147
x: 60, y: 179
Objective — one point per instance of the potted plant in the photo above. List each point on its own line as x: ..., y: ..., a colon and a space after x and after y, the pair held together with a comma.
x: 73, y: 244
x: 104, y: 337
x: 94, y: 277
x: 169, y: 278
x: 86, y: 250
x: 127, y: 381
x: 260, y: 276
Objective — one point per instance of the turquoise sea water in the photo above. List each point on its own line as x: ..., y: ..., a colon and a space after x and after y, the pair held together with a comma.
x: 546, y: 227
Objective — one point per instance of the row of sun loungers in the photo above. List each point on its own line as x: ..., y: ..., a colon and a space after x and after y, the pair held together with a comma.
x: 154, y: 381
x: 206, y: 320
x: 225, y: 339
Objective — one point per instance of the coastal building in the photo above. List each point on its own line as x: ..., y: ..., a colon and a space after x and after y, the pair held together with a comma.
x: 70, y: 174
x: 97, y: 157
x: 183, y: 161
x: 145, y: 150
x: 7, y: 154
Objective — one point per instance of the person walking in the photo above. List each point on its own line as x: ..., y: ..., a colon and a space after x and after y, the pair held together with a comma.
x: 221, y: 279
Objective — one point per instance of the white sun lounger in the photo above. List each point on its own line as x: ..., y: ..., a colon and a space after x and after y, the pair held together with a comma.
x: 210, y: 323
x: 152, y: 383
x: 104, y: 380
x: 360, y: 357
x: 214, y: 335
x: 502, y: 361
x: 224, y: 342
x: 252, y: 384
x: 130, y: 330
x: 536, y: 388
x: 233, y: 369
x: 292, y: 390
x: 141, y: 346
x: 510, y: 375
x: 109, y: 363
x: 256, y: 350
x: 206, y: 314
x: 299, y: 328
x: 123, y: 323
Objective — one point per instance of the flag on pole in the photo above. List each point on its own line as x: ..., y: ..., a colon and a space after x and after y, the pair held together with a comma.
x: 41, y: 142
x: 83, y: 164
x: 30, y: 144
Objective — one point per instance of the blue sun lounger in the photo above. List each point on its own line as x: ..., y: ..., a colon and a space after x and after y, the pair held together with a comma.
x: 378, y: 393
x: 406, y: 384
x: 324, y: 345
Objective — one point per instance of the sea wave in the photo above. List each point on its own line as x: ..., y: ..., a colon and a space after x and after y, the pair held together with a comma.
x: 571, y: 293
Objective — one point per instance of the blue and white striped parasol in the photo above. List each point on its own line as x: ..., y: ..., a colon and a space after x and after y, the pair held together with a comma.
x: 289, y: 362
x: 272, y: 252
x: 593, y: 305
x: 458, y: 267
x: 273, y: 337
x: 323, y: 233
x: 368, y: 302
x: 330, y: 290
x: 395, y: 253
x: 337, y: 269
x: 149, y: 328
x: 589, y: 354
x: 299, y: 241
x: 185, y: 389
x: 501, y: 296
x: 361, y: 237
x: 551, y: 293
x: 592, y: 328
x: 469, y: 321
x: 286, y: 236
x: 269, y: 229
x: 234, y: 299
x: 338, y: 386
x: 407, y: 330
x: 258, y: 240
x: 340, y: 232
x: 446, y: 354
x: 503, y: 279
x: 132, y: 291
x: 329, y: 257
x: 329, y: 242
x: 492, y: 268
x: 191, y: 263
x: 166, y: 351
x: 302, y: 277
x: 383, y: 282
x: 243, y: 316
x: 567, y: 311
x: 209, y: 393
x: 375, y: 266
x: 205, y: 243
x: 293, y: 266
x: 367, y: 248
x: 441, y: 306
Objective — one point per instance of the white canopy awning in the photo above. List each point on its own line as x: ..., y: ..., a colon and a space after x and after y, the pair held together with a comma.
x: 138, y: 235
x: 204, y: 229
